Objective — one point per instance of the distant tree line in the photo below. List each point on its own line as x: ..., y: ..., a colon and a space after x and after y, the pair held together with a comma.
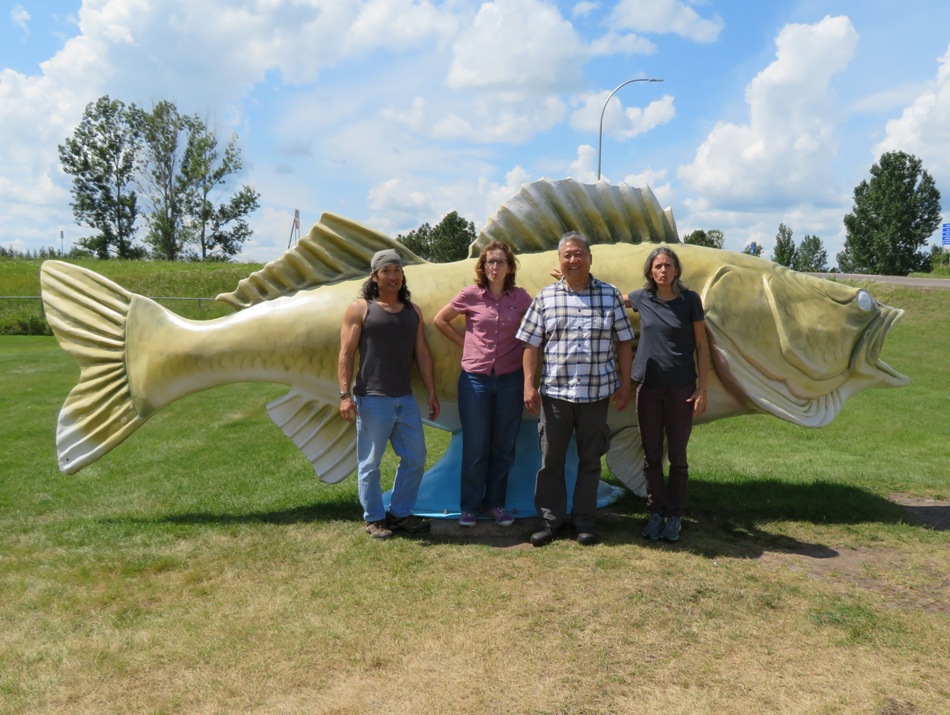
x: 169, y: 169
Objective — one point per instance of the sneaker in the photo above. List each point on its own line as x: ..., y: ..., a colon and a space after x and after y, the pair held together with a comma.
x: 467, y: 519
x: 410, y: 524
x: 378, y: 529
x: 653, y: 528
x: 586, y: 538
x: 501, y: 517
x: 671, y: 532
x: 542, y: 537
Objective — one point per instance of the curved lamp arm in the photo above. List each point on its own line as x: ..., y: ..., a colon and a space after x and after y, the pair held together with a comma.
x: 600, y: 135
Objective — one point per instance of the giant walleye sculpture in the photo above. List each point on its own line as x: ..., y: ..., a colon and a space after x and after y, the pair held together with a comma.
x: 782, y: 343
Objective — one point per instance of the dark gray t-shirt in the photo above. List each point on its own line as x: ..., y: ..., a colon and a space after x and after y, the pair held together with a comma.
x: 387, y: 349
x: 666, y: 353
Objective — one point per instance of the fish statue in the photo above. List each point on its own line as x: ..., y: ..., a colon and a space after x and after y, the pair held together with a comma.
x: 782, y: 343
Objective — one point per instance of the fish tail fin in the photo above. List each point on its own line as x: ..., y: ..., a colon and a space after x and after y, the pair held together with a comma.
x: 88, y: 313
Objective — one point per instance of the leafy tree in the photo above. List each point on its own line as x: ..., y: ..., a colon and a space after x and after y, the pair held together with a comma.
x: 893, y: 216
x: 101, y: 157
x: 217, y: 226
x: 448, y: 241
x: 939, y: 259
x: 811, y: 256
x: 163, y: 136
x: 714, y: 238
x: 753, y: 248
x: 784, y: 251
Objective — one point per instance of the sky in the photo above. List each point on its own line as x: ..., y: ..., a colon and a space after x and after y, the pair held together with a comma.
x: 394, y: 113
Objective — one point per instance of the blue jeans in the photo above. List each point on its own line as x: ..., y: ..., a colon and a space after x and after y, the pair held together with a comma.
x: 490, y: 408
x: 396, y: 420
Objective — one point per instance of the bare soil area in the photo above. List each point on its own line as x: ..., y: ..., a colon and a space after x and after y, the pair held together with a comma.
x: 884, y: 571
x: 934, y: 513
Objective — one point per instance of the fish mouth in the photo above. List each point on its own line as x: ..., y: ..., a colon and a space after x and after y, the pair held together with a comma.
x: 865, y: 359
x: 753, y: 384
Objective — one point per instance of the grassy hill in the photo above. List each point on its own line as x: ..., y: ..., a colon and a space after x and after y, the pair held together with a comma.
x: 155, y: 279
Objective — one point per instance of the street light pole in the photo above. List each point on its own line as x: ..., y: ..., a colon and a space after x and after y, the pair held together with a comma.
x: 600, y: 136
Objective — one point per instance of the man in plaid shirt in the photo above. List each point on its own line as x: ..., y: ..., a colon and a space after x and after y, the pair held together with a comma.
x: 580, y: 328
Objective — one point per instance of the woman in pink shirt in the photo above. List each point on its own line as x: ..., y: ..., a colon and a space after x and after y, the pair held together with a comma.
x: 491, y: 383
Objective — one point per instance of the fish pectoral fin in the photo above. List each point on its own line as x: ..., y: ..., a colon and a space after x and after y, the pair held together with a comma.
x: 625, y: 459
x: 315, y: 426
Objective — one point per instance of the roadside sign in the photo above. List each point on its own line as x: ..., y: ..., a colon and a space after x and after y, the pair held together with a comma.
x: 946, y: 234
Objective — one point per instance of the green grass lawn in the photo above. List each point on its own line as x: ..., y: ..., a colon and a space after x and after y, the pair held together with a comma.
x: 201, y: 567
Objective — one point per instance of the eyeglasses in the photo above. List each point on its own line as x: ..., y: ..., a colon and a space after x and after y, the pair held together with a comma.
x: 496, y: 262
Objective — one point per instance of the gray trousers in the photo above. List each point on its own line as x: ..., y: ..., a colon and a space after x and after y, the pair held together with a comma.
x: 587, y: 423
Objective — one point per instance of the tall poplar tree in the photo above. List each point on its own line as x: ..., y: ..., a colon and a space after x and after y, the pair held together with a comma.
x: 101, y: 157
x: 784, y: 251
x: 894, y: 215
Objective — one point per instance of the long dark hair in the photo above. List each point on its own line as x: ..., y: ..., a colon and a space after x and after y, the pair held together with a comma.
x: 481, y: 280
x: 678, y: 285
x: 370, y: 290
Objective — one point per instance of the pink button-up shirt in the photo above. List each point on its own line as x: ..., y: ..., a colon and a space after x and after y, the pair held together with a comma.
x: 490, y: 327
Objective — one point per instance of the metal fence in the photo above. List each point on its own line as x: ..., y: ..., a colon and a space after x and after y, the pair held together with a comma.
x: 24, y: 315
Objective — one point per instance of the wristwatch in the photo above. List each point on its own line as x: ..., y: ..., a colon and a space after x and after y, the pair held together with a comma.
x: 344, y: 395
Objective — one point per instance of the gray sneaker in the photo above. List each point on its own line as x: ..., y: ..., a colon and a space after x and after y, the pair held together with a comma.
x: 671, y: 532
x: 653, y: 528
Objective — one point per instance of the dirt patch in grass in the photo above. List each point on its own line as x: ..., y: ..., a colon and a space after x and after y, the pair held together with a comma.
x: 934, y: 513
x: 899, y: 579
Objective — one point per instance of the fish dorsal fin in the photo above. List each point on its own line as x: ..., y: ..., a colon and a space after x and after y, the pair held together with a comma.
x: 542, y: 211
x: 336, y: 249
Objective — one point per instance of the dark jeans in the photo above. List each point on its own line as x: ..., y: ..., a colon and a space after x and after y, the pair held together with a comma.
x: 490, y: 408
x: 587, y: 423
x: 664, y: 411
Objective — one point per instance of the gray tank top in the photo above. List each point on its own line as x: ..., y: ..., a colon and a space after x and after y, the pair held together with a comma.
x: 387, y: 348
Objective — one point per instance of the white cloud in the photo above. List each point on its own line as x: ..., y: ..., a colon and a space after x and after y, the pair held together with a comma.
x: 923, y: 128
x: 517, y: 45
x: 620, y: 122
x: 512, y: 119
x: 665, y: 16
x: 784, y: 152
x: 584, y: 167
x: 411, y: 117
x: 19, y: 16
x: 617, y: 43
x: 582, y: 9
x: 398, y: 24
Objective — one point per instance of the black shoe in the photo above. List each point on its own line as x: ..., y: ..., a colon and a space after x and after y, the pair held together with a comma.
x: 542, y: 537
x: 410, y: 524
x: 586, y: 538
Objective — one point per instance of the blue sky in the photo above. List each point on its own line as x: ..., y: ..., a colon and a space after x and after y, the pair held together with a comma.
x: 396, y: 112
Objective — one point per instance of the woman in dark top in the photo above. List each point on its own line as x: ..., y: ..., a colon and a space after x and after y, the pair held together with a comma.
x: 670, y: 368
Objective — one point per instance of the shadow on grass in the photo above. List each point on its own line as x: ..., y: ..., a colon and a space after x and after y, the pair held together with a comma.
x: 324, y: 511
x: 723, y: 520
x: 731, y: 519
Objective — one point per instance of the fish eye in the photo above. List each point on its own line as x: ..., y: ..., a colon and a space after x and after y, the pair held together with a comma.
x: 865, y: 301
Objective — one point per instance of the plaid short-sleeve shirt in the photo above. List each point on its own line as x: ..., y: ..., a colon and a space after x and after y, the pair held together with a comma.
x: 577, y: 334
